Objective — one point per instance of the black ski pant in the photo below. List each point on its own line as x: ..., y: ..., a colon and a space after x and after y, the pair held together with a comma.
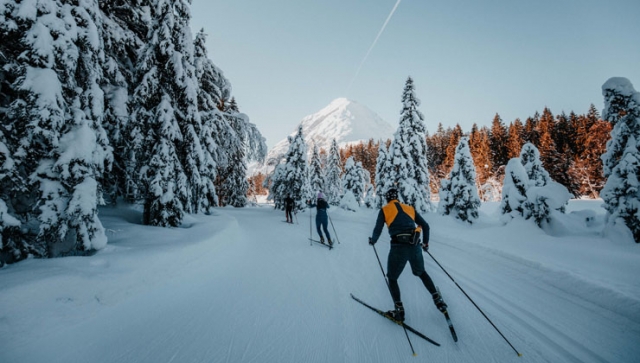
x: 399, y: 255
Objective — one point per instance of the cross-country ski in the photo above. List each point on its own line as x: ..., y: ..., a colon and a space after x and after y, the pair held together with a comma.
x: 401, y: 323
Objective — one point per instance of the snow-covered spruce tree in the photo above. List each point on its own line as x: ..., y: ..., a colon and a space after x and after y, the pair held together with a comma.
x: 158, y: 110
x: 124, y: 26
x: 353, y: 179
x: 223, y: 129
x: 543, y: 202
x: 410, y: 173
x: 369, y: 191
x: 233, y: 182
x: 248, y: 145
x: 383, y: 171
x: 57, y: 117
x: 333, y: 173
x: 276, y: 179
x: 349, y: 202
x: 621, y: 167
x: 514, y: 191
x: 459, y: 195
x: 13, y: 247
x: 293, y: 178
x: 622, y: 110
x: 522, y: 198
x: 13, y: 244
x: 316, y: 179
x: 213, y: 125
x: 185, y: 93
x: 621, y: 191
x: 530, y: 159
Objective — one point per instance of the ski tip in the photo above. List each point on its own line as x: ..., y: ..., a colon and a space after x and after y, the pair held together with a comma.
x: 415, y: 354
x: 519, y: 354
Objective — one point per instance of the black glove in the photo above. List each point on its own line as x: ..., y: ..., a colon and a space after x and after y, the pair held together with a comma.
x: 371, y: 241
x: 425, y: 246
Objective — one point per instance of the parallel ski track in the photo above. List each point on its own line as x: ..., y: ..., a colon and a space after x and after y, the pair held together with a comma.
x: 514, y: 281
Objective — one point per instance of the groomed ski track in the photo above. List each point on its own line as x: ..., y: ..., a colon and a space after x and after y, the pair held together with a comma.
x: 256, y: 291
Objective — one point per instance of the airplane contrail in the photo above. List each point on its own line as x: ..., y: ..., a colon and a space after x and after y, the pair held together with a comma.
x: 373, y: 44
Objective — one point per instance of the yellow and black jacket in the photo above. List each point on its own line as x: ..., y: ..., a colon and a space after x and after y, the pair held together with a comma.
x: 399, y: 218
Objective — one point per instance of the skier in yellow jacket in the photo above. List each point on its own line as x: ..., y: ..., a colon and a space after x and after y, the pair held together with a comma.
x: 401, y: 220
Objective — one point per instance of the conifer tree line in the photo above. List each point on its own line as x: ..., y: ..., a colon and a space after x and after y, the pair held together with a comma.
x: 532, y: 168
x: 109, y: 101
x: 570, y: 148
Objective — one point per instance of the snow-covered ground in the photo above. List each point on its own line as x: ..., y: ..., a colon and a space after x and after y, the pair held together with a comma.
x: 242, y: 286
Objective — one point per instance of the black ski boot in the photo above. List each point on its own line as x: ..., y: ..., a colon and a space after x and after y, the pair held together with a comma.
x: 398, y: 313
x: 440, y: 304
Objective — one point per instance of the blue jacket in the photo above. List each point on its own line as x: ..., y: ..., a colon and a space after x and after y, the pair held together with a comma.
x: 399, y: 218
x: 321, y: 206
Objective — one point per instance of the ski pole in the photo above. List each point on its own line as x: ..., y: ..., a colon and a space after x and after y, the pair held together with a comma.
x: 476, y: 305
x: 310, y: 235
x: 389, y: 288
x: 334, y: 229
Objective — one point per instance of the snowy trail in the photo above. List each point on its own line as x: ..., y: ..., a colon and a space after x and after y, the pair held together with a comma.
x: 547, y: 310
x: 249, y: 288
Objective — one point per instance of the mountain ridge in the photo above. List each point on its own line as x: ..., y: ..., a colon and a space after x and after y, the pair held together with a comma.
x: 344, y: 120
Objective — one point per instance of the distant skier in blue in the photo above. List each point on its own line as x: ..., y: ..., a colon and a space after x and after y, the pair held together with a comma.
x: 322, y: 219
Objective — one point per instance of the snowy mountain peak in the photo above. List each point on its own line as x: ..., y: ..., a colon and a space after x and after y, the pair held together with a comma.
x: 342, y: 119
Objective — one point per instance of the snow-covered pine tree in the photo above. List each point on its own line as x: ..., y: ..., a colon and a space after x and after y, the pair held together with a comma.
x: 234, y: 185
x: 543, y: 202
x: 247, y: 145
x: 213, y: 125
x: 57, y: 117
x: 294, y: 176
x: 529, y: 198
x: 621, y: 167
x: 353, y: 179
x: 383, y: 171
x: 333, y: 182
x: 530, y: 159
x: 13, y: 186
x: 158, y: 109
x: 368, y: 191
x: 315, y: 172
x: 622, y: 110
x: 349, y: 202
x: 514, y: 191
x: 123, y: 27
x: 621, y: 192
x: 410, y: 173
x: 13, y: 247
x: 543, y: 195
x: 185, y: 95
x: 459, y: 194
x: 276, y: 179
x: 223, y: 131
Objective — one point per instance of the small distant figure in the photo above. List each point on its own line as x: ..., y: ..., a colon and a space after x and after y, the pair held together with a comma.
x: 322, y: 219
x: 288, y: 208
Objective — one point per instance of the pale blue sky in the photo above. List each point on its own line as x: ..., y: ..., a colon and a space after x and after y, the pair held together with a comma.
x: 469, y: 59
